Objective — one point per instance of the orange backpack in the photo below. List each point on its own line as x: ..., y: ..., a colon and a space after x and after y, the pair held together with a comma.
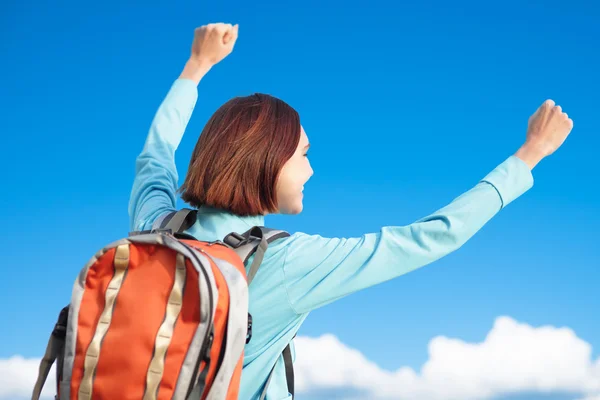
x: 158, y: 315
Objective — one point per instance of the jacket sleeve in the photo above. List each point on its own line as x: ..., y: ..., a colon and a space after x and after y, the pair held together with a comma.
x: 154, y: 189
x: 320, y: 270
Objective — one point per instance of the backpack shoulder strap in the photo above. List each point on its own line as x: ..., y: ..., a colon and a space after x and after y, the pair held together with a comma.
x: 246, y: 243
x: 289, y: 373
x: 176, y: 221
x: 253, y: 241
x: 54, y: 350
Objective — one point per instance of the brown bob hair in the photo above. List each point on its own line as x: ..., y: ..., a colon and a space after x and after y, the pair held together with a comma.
x: 239, y: 155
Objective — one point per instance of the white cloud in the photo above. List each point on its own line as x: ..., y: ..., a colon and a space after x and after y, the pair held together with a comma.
x: 513, y: 358
x: 18, y: 375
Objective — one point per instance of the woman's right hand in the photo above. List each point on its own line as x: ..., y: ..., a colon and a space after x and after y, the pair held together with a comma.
x: 212, y: 43
x: 548, y: 129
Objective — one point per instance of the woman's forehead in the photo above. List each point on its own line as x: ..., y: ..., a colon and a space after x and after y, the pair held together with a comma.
x: 303, y: 137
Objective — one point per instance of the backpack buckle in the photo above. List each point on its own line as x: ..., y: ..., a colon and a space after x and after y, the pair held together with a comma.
x: 235, y: 240
x: 249, y: 330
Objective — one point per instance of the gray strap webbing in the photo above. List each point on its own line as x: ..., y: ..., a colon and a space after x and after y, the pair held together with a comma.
x: 264, y: 392
x: 258, y: 258
x: 289, y: 369
x: 246, y: 244
x: 180, y: 220
x: 289, y: 373
x: 158, y: 222
x: 52, y: 350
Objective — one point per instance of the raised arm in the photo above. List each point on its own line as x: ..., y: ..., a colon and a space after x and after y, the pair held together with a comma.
x: 154, y: 191
x: 320, y: 270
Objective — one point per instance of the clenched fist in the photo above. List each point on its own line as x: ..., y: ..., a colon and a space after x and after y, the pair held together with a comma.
x: 548, y: 128
x: 213, y: 42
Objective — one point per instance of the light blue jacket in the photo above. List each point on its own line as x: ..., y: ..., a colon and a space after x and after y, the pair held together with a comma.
x: 303, y: 272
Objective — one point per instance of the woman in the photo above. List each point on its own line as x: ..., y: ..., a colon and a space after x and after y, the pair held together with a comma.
x: 251, y: 161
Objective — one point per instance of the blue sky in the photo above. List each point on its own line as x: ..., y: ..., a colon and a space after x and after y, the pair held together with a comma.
x: 407, y: 105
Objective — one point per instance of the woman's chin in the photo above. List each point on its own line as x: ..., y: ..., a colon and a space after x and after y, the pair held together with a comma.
x: 292, y: 209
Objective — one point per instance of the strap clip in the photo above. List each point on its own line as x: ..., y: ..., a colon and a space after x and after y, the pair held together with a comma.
x: 235, y: 240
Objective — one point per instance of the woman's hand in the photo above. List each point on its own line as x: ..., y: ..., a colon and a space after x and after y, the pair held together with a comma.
x: 212, y: 43
x: 548, y: 128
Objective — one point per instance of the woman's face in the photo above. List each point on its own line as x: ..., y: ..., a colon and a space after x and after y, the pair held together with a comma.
x: 294, y: 174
